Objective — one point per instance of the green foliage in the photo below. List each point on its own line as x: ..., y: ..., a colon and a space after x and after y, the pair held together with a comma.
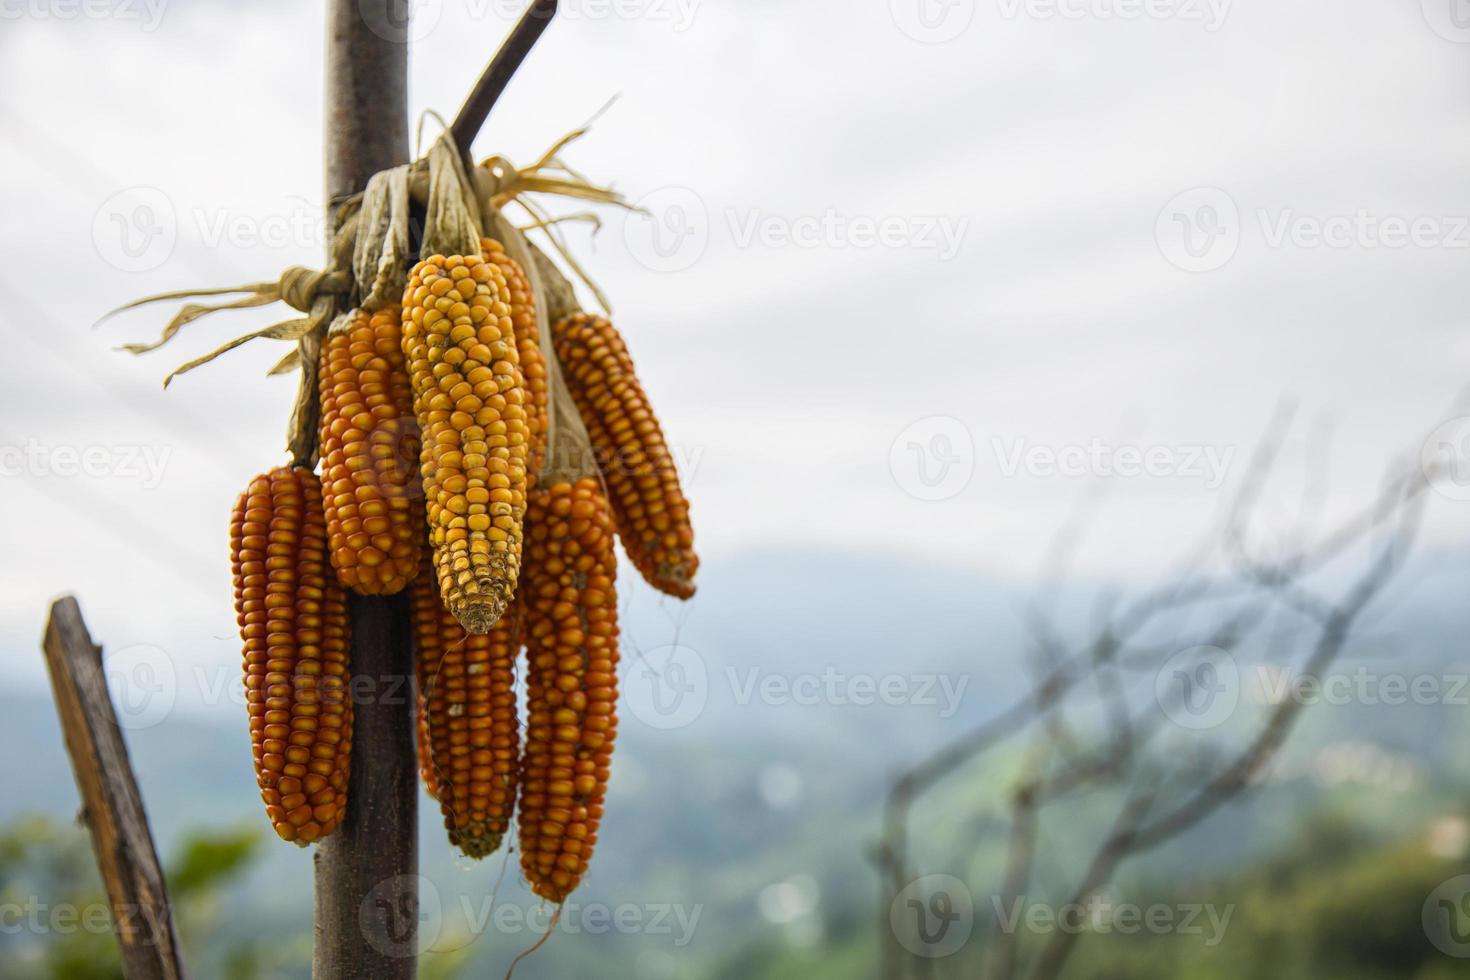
x: 52, y: 904
x: 1336, y: 901
x: 1333, y: 904
x: 208, y: 861
x: 446, y: 966
x: 55, y: 912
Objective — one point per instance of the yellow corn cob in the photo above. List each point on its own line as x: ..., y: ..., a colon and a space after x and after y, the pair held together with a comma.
x: 369, y: 450
x: 528, y: 344
x: 470, y: 727
x: 293, y: 622
x: 462, y: 362
x: 642, y: 482
x: 571, y: 633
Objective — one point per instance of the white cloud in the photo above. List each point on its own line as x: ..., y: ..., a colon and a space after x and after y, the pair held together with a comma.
x: 790, y: 370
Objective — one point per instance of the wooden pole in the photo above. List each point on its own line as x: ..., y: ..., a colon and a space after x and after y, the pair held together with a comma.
x: 367, y: 872
x: 111, y: 805
x: 367, y: 92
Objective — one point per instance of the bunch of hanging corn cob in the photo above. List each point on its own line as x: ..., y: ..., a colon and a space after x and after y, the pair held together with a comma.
x: 459, y: 371
x: 480, y: 457
x: 497, y: 554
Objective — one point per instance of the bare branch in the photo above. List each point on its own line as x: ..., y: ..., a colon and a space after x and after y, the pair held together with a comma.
x: 1119, y: 843
x: 1246, y: 598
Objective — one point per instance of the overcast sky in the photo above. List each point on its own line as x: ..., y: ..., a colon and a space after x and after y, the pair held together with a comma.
x: 915, y: 273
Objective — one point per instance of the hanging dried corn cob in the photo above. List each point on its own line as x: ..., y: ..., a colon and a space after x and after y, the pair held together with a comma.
x: 467, y: 690
x: 477, y: 373
x: 421, y: 741
x: 571, y: 635
x: 294, y: 625
x: 425, y: 610
x: 528, y: 344
x: 642, y: 482
x: 462, y: 360
x: 370, y: 449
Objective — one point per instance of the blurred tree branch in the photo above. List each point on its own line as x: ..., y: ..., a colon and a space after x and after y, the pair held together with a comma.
x: 1248, y: 592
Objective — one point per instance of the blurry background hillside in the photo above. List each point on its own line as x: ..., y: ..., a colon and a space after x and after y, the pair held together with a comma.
x: 1102, y: 236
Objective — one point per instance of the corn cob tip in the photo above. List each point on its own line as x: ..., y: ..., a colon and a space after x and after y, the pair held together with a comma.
x: 477, y: 842
x: 479, y: 596
x: 554, y: 894
x: 480, y: 617
x: 677, y: 580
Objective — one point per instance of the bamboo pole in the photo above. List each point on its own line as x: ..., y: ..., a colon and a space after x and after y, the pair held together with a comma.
x: 367, y: 872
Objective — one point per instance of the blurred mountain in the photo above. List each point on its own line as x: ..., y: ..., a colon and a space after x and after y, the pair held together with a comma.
x: 752, y: 817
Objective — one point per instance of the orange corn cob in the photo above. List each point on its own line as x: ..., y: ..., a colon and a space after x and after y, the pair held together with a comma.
x: 468, y: 701
x: 642, y: 483
x: 528, y: 344
x: 571, y: 634
x: 462, y: 361
x: 370, y: 450
x: 421, y: 740
x: 293, y: 622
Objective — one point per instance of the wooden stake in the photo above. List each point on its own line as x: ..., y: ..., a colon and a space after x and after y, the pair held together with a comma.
x: 112, y: 806
x: 367, y: 903
x: 367, y: 872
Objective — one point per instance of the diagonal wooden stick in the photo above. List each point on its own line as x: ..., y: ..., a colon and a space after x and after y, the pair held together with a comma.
x: 498, y: 73
x: 112, y: 805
